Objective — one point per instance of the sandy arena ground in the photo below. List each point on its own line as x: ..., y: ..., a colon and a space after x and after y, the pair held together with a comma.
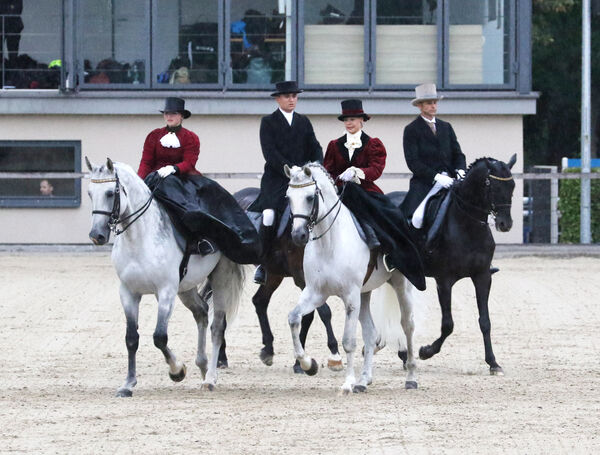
x: 62, y: 338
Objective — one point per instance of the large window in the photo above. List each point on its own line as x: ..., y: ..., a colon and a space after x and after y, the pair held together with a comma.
x: 30, y: 44
x: 251, y: 44
x: 56, y: 159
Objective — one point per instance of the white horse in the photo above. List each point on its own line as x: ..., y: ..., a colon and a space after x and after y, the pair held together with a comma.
x: 146, y: 257
x: 338, y: 262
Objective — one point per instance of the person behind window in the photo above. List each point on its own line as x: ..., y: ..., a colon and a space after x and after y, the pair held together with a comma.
x: 46, y: 188
x: 180, y: 76
x: 286, y: 137
x: 201, y: 209
x: 356, y: 160
x: 432, y: 154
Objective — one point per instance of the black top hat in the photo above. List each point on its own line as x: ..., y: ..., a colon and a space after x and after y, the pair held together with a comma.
x: 286, y: 87
x: 353, y: 108
x: 173, y: 104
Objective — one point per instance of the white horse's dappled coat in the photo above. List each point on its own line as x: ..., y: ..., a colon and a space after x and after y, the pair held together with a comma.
x: 147, y: 258
x: 336, y: 261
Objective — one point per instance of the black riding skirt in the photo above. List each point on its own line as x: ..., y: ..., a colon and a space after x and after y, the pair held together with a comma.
x: 391, y: 229
x: 202, y: 208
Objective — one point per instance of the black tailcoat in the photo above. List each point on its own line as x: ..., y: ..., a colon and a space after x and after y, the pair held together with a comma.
x: 281, y: 144
x: 428, y: 154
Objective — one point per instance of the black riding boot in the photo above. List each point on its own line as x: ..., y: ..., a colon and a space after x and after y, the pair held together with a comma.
x: 266, y: 234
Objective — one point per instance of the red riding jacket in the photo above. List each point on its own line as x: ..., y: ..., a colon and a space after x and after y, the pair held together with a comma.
x: 156, y: 156
x: 370, y: 158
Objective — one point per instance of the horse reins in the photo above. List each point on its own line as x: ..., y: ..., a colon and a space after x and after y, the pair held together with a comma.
x: 311, y: 219
x: 114, y: 219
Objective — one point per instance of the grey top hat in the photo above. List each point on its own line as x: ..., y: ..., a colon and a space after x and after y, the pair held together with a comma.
x: 173, y: 104
x: 425, y: 92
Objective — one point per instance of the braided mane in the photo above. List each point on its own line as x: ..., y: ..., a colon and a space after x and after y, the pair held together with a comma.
x: 317, y: 165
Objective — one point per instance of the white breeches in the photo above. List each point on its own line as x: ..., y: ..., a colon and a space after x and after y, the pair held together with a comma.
x: 268, y: 217
x: 417, y: 218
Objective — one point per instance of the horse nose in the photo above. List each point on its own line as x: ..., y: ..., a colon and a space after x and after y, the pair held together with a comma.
x: 504, y: 225
x: 97, y: 238
x: 300, y: 237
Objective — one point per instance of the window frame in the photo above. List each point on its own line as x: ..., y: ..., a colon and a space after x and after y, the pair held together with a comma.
x: 439, y: 49
x: 146, y: 84
x: 512, y: 63
x: 220, y: 46
x: 368, y: 63
x: 49, y: 202
x: 228, y: 70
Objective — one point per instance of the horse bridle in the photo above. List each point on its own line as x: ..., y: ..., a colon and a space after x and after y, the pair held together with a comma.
x: 311, y: 219
x: 493, y: 206
x: 114, y: 216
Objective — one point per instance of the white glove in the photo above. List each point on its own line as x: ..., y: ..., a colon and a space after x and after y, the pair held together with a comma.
x: 348, y: 175
x: 460, y: 173
x: 444, y: 180
x: 166, y: 170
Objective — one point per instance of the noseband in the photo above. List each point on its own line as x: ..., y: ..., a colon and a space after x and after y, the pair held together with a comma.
x: 312, y: 219
x: 114, y: 216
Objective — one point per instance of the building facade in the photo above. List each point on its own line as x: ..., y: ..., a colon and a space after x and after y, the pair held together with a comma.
x: 87, y: 78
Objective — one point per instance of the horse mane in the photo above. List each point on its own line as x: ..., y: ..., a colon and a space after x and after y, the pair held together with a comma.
x: 317, y: 165
x: 135, y: 186
x: 479, y: 160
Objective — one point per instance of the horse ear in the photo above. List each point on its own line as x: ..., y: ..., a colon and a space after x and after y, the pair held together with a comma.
x: 88, y: 164
x: 512, y: 161
x: 307, y: 171
x: 109, y: 165
x: 286, y: 170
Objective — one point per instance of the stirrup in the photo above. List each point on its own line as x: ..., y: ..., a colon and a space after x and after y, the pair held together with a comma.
x: 385, y: 264
x: 205, y: 247
x: 260, y: 276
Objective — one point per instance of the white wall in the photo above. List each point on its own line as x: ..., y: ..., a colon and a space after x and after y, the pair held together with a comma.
x: 229, y: 144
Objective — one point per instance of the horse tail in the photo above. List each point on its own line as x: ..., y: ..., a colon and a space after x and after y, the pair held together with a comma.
x: 387, y: 316
x: 228, y: 280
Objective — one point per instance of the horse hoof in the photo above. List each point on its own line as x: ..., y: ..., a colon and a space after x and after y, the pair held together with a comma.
x: 222, y: 364
x: 359, y: 388
x: 411, y: 385
x: 124, y: 393
x: 425, y: 352
x: 208, y: 386
x: 178, y: 377
x: 297, y: 368
x: 335, y: 365
x: 266, y: 357
x: 496, y: 371
x: 314, y: 367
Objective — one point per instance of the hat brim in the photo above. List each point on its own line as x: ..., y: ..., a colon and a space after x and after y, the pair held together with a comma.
x: 365, y: 117
x: 286, y: 92
x: 185, y: 113
x: 421, y: 100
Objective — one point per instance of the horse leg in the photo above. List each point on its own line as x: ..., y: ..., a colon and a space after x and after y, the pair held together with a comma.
x: 334, y: 362
x: 307, y: 303
x: 206, y: 296
x: 261, y: 302
x: 403, y: 292
x: 131, y: 307
x: 166, y: 302
x: 483, y: 282
x: 444, y: 289
x: 199, y: 309
x: 352, y: 303
x: 369, y: 333
x: 307, y: 320
x: 222, y: 361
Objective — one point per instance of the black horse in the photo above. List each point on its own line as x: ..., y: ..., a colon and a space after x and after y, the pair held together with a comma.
x: 465, y: 246
x: 285, y: 260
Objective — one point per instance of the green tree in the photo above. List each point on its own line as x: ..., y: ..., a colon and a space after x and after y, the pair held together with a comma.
x: 556, y: 66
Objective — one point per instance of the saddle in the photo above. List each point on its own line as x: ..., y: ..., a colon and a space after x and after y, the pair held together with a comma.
x: 435, y: 218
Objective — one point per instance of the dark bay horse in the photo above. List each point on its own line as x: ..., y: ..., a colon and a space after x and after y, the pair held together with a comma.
x: 466, y: 246
x: 285, y: 261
